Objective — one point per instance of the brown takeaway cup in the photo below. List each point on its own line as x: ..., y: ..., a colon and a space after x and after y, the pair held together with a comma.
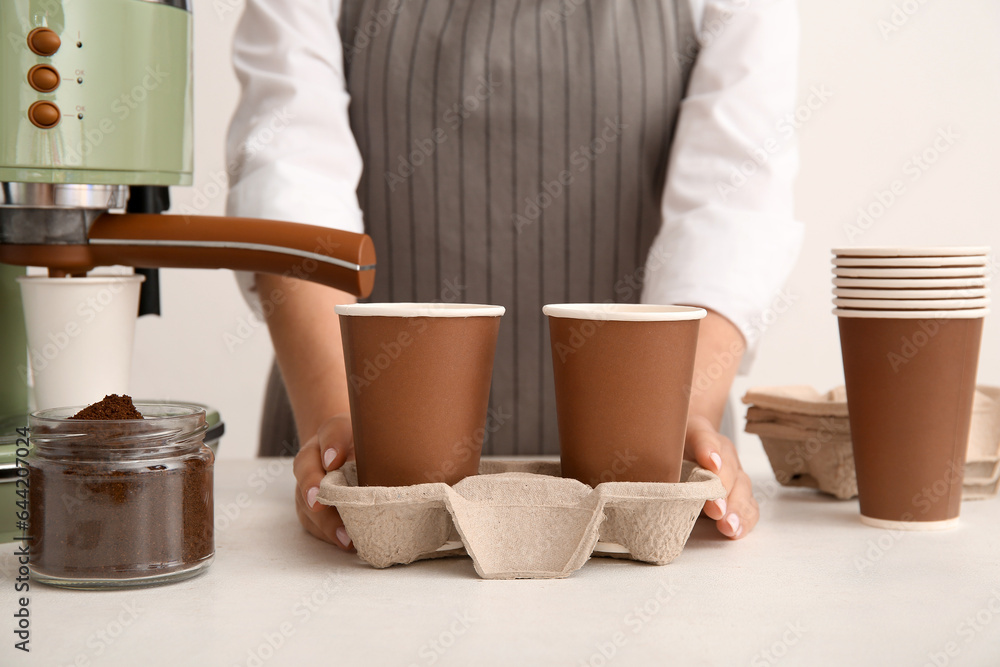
x: 622, y: 378
x: 910, y: 381
x: 419, y: 385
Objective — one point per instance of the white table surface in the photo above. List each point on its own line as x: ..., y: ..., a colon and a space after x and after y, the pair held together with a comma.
x: 810, y: 586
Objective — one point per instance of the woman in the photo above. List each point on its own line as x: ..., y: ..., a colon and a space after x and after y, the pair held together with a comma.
x: 521, y: 153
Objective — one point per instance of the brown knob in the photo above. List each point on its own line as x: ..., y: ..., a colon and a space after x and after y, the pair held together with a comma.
x: 43, y: 78
x: 44, y: 114
x: 43, y: 41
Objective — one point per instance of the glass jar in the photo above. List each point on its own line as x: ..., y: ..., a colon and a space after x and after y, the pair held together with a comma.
x: 116, y: 503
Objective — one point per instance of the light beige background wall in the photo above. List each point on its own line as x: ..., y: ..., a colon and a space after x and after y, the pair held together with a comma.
x: 896, y: 74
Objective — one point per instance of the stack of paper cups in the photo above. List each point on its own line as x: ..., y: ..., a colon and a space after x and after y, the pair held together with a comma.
x: 910, y: 322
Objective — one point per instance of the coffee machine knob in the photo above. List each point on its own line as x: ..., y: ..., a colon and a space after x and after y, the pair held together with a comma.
x: 43, y: 41
x: 44, y: 114
x: 43, y: 78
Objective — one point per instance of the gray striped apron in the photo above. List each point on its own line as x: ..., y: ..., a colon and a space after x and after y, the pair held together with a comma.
x: 515, y: 153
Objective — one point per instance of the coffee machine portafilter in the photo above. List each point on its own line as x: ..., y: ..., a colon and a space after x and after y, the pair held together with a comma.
x: 72, y: 228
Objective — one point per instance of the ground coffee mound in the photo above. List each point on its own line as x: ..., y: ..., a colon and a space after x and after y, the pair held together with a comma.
x: 112, y: 406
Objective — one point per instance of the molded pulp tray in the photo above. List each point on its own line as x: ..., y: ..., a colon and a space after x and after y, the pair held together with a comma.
x: 520, y: 519
x: 806, y: 436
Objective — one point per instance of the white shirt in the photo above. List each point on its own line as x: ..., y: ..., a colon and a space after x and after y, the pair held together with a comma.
x: 729, y: 238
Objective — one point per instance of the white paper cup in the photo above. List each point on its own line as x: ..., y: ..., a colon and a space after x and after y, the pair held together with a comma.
x: 930, y: 251
x: 911, y: 304
x: 80, y: 334
x: 911, y: 283
x: 905, y: 294
x: 873, y: 272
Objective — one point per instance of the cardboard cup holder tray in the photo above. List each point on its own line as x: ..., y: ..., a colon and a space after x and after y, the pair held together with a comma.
x: 807, y: 438
x: 519, y: 519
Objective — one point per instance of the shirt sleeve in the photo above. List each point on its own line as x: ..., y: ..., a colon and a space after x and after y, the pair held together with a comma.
x: 290, y: 151
x: 729, y: 237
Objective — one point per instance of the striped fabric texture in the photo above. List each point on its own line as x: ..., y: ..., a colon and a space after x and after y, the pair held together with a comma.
x: 515, y: 153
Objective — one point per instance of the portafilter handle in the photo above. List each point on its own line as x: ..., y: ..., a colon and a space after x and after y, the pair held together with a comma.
x: 340, y: 259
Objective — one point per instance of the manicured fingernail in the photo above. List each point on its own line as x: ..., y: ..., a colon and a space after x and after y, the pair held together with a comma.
x: 311, y: 496
x: 717, y: 460
x: 343, y: 537
x: 734, y: 523
x: 328, y: 458
x: 721, y: 504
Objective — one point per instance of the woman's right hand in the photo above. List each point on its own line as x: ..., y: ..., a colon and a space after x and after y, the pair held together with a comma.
x: 329, y: 449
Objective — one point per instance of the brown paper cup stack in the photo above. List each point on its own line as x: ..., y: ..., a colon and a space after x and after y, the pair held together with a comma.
x: 419, y: 384
x: 910, y: 329
x: 622, y: 378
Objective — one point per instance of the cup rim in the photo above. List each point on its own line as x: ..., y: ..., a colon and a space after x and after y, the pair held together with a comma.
x: 910, y: 283
x: 909, y: 272
x: 910, y: 262
x: 907, y: 294
x: 84, y: 280
x: 911, y: 251
x: 416, y: 309
x: 910, y: 304
x: 624, y: 312
x: 958, y: 314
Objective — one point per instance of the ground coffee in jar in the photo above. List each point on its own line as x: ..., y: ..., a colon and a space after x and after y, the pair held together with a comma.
x: 119, y: 501
x: 112, y: 406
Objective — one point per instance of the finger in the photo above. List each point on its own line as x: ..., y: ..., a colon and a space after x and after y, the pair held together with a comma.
x: 714, y: 452
x: 702, y: 445
x: 306, y: 519
x: 308, y: 470
x: 715, y: 509
x: 325, y: 524
x: 697, y: 424
x: 336, y: 441
x: 743, y: 511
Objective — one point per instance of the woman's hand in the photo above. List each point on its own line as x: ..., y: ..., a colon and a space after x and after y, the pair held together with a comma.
x: 737, y: 514
x: 329, y: 449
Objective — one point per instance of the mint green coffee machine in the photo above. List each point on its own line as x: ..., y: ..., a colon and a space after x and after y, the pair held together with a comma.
x: 96, y: 96
x: 95, y: 107
x: 95, y: 101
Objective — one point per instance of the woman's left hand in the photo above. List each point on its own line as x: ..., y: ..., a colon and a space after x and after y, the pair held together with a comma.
x: 737, y: 514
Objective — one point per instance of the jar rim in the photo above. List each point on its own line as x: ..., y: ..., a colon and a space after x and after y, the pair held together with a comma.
x: 167, y: 427
x: 155, y: 413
